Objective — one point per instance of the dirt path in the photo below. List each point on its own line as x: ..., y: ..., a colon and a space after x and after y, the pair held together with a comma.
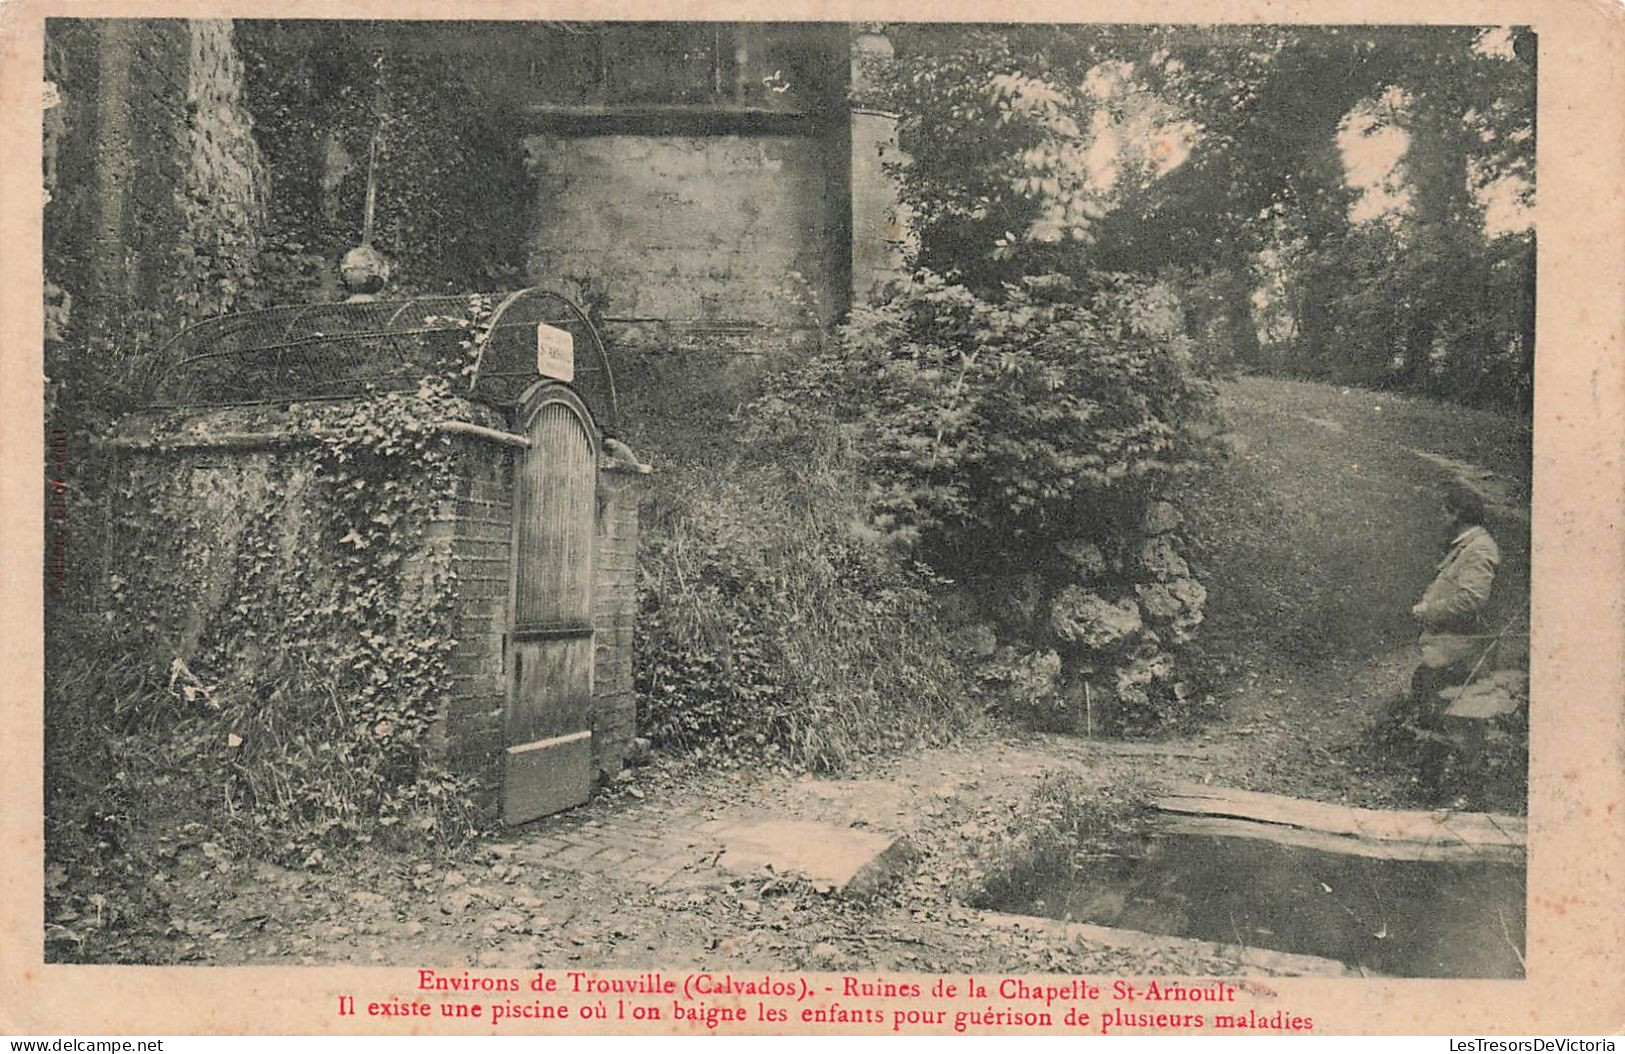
x: 1314, y: 543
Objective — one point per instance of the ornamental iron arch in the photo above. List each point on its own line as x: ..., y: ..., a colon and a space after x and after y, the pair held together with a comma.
x: 311, y: 352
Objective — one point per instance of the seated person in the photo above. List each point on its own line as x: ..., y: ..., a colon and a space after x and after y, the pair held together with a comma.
x: 1451, y: 610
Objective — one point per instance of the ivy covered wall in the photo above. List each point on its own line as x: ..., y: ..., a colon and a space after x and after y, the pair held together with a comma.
x: 325, y: 589
x: 430, y: 110
x: 156, y: 196
x: 296, y: 579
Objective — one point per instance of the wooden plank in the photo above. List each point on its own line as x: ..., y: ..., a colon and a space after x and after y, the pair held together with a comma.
x: 1347, y: 845
x: 548, y: 764
x: 557, y: 513
x: 542, y: 779
x: 552, y: 689
x: 1343, y: 819
x: 1427, y: 828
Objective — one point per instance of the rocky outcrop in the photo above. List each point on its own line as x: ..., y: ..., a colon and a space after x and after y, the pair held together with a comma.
x: 1109, y: 615
x: 1083, y: 619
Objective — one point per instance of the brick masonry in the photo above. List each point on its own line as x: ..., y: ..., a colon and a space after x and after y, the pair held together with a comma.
x: 474, y: 527
x: 615, y: 607
x: 480, y: 522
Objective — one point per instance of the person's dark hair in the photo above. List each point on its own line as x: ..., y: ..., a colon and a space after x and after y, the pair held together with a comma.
x: 1465, y: 503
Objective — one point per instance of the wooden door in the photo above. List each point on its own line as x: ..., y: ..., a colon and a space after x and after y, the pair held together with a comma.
x: 548, y: 725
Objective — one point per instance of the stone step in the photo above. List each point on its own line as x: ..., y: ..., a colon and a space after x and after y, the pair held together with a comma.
x: 1288, y: 964
x: 853, y: 862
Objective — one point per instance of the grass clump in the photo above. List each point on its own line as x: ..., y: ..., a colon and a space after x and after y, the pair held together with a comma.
x: 1066, y: 826
x: 773, y: 624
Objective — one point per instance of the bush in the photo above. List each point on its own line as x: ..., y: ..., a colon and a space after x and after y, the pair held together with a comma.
x: 1063, y: 829
x: 992, y: 427
x: 1020, y: 446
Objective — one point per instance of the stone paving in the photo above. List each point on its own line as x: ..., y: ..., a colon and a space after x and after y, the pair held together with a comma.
x: 669, y: 844
x: 665, y: 848
x: 644, y: 844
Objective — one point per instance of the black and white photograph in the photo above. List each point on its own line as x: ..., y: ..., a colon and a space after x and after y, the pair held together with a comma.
x: 754, y: 500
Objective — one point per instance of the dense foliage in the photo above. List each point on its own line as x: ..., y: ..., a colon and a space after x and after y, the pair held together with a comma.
x: 1019, y: 446
x: 310, y: 685
x: 1023, y: 406
x: 997, y: 425
x: 1228, y: 160
x: 772, y: 624
x: 332, y: 100
x: 1011, y: 131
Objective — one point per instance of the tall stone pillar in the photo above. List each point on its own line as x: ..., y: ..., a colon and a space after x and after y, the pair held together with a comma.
x: 110, y: 278
x: 880, y: 233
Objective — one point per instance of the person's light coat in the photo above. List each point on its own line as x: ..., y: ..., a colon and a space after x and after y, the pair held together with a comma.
x: 1451, y: 609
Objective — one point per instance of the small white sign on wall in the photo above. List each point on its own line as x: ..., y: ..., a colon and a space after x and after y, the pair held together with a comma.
x: 555, y: 353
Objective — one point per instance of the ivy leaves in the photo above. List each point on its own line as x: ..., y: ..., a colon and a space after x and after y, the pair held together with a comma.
x: 324, y: 621
x: 386, y: 473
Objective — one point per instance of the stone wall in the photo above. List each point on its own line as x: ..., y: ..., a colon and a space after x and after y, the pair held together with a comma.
x: 155, y: 188
x: 237, y: 466
x: 880, y: 227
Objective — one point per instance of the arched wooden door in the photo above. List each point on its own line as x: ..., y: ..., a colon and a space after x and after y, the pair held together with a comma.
x: 548, y: 724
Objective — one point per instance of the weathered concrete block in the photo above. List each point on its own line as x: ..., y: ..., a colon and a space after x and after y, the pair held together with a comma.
x: 857, y: 863
x: 685, y: 228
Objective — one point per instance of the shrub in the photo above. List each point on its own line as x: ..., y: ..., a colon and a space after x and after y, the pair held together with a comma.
x: 992, y: 427
x: 1062, y: 829
x: 1020, y: 446
x: 773, y: 624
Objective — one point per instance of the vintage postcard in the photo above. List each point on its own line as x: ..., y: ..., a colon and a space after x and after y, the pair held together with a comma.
x: 836, y: 519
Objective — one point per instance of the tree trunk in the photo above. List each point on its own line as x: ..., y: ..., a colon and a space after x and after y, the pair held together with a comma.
x: 1419, y: 351
x: 1312, y: 357
x: 1241, y: 326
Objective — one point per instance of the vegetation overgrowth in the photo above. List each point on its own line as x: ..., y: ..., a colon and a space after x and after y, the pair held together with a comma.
x: 1367, y: 227
x: 206, y: 674
x: 1018, y: 445
x: 1105, y: 216
x: 773, y: 623
x: 1062, y: 830
x: 248, y: 697
x: 284, y: 702
x: 991, y: 427
x: 338, y: 103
